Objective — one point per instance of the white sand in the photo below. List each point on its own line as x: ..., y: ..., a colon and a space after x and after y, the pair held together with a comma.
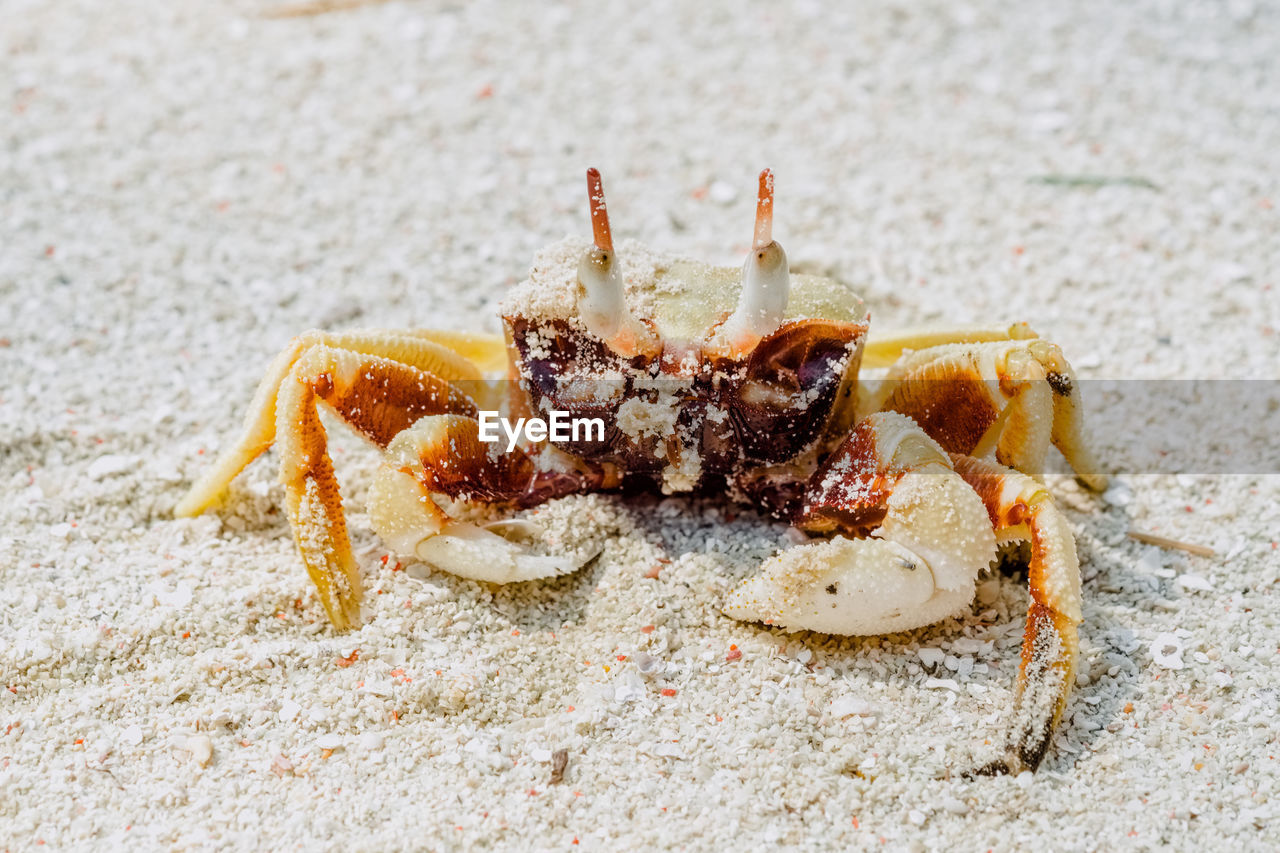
x: 185, y: 186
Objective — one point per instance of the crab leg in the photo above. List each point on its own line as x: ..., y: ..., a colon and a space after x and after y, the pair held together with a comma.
x: 418, y: 350
x: 603, y: 303
x: 1021, y: 509
x: 1068, y: 415
x: 910, y: 539
x: 976, y: 400
x: 883, y: 350
x: 379, y: 398
x: 1011, y: 398
x: 486, y: 351
x: 315, y: 505
x: 766, y: 284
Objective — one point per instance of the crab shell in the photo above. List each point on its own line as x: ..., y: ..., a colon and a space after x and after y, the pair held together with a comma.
x: 689, y: 416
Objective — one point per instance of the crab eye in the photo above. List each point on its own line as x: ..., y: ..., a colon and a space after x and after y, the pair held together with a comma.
x: 599, y: 258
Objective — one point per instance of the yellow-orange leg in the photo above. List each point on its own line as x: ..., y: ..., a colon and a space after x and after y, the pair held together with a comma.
x: 1021, y: 509
x: 379, y: 395
x: 442, y: 358
x: 1009, y: 398
x: 882, y: 350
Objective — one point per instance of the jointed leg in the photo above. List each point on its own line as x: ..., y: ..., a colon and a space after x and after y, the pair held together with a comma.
x: 882, y: 350
x: 1020, y: 508
x: 412, y: 349
x: 379, y: 398
x: 379, y: 394
x: 979, y: 400
x: 487, y: 352
x: 315, y: 504
x: 1009, y: 399
x: 1068, y: 415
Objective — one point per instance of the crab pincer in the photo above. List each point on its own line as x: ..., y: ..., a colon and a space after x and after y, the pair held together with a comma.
x: 440, y: 461
x: 908, y: 539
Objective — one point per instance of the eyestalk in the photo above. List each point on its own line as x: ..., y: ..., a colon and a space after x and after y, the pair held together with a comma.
x: 602, y: 303
x: 766, y: 283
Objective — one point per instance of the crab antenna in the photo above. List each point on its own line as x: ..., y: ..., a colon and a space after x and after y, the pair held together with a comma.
x: 602, y: 302
x: 766, y: 282
x: 599, y: 213
x: 764, y: 210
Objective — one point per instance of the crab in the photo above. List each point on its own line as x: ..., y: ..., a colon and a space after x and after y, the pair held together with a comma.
x: 701, y: 380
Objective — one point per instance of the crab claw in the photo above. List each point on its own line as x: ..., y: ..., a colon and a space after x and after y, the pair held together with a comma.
x: 495, y: 553
x: 766, y: 283
x: 440, y: 459
x: 912, y: 538
x: 602, y: 302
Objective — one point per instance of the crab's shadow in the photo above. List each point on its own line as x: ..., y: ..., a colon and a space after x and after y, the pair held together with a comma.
x: 549, y: 605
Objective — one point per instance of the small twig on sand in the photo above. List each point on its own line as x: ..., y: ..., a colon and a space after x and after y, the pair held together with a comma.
x: 1165, y: 542
x: 318, y: 7
x: 559, y: 761
x: 1095, y: 181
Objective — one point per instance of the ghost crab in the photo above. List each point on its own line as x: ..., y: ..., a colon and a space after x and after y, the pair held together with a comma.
x: 907, y: 490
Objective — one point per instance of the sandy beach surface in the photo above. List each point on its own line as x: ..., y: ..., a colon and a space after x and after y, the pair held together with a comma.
x: 183, y: 187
